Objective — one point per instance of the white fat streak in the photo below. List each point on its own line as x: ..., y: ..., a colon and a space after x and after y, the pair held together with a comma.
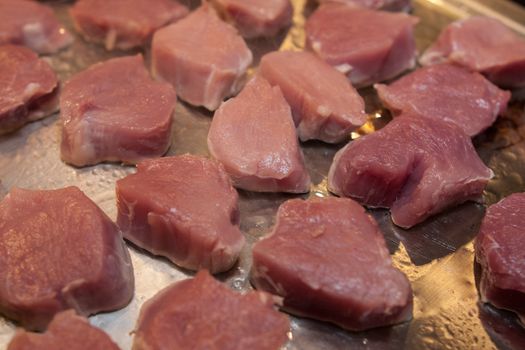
x: 344, y: 68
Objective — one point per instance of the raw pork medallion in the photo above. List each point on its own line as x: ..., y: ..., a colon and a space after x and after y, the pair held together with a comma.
x: 255, y: 18
x: 387, y: 5
x: 203, y: 57
x: 31, y: 24
x: 183, y: 208
x: 415, y: 166
x: 447, y: 92
x: 369, y: 46
x: 483, y: 45
x: 499, y: 251
x: 201, y: 313
x: 324, y: 104
x: 28, y: 88
x: 253, y: 136
x: 114, y: 111
x: 328, y: 260
x: 59, y: 251
x: 123, y: 24
x: 67, y: 331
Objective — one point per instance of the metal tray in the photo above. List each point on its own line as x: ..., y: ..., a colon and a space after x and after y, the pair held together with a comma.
x: 437, y: 255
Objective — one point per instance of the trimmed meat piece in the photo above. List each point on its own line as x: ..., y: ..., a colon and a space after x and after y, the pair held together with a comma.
x: 256, y: 18
x: 447, y: 92
x: 415, y: 166
x: 499, y: 251
x: 28, y: 88
x: 253, y: 136
x: 66, y: 331
x: 31, y: 24
x: 386, y: 5
x: 183, y: 208
x: 369, y: 46
x: 202, y: 313
x: 204, y: 58
x: 124, y: 24
x: 59, y: 251
x: 328, y: 260
x: 483, y: 45
x: 114, y: 111
x: 324, y: 104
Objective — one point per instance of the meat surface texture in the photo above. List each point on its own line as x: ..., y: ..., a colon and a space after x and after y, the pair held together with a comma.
x: 124, y: 24
x: 387, y: 5
x: 31, y: 24
x: 328, y: 260
x: 415, y: 166
x: 59, y: 251
x: 447, y: 92
x: 253, y: 136
x: 183, y: 208
x: 202, y: 313
x: 114, y: 111
x: 256, y: 18
x: 67, y: 331
x: 28, y: 88
x: 499, y: 251
x: 367, y: 45
x: 483, y: 45
x: 324, y: 104
x: 203, y: 74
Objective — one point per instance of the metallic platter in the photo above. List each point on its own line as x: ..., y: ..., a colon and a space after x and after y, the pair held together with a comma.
x: 437, y: 256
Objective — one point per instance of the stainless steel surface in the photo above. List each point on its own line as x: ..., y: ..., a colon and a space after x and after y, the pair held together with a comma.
x: 437, y: 255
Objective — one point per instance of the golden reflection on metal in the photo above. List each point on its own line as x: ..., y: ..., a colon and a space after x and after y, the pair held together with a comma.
x: 320, y: 190
x: 366, y: 128
x: 295, y: 39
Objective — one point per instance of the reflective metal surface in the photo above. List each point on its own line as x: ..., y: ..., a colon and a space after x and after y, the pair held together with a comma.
x: 437, y: 256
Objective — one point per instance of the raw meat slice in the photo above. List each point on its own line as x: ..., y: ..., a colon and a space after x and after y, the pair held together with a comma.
x: 183, y: 208
x: 328, y: 260
x: 447, y: 92
x: 33, y: 25
x: 28, y: 88
x: 59, y: 251
x: 386, y: 5
x: 114, y: 111
x: 256, y: 18
x: 484, y: 45
x: 369, y: 46
x: 254, y: 137
x: 124, y: 24
x: 67, y: 331
x: 324, y: 104
x: 415, y: 166
x: 202, y: 313
x: 205, y: 73
x: 499, y: 251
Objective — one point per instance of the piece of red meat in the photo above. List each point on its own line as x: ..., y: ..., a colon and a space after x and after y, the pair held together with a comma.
x: 328, y: 260
x: 31, y: 24
x: 58, y: 251
x: 202, y: 313
x: 114, y: 111
x: 499, y: 251
x: 484, y: 45
x: 67, y: 331
x: 183, y: 208
x: 256, y: 18
x: 253, y: 136
x: 124, y: 24
x: 324, y: 104
x: 386, y: 5
x: 447, y: 92
x: 415, y: 166
x: 367, y: 45
x: 28, y: 88
x: 204, y: 58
